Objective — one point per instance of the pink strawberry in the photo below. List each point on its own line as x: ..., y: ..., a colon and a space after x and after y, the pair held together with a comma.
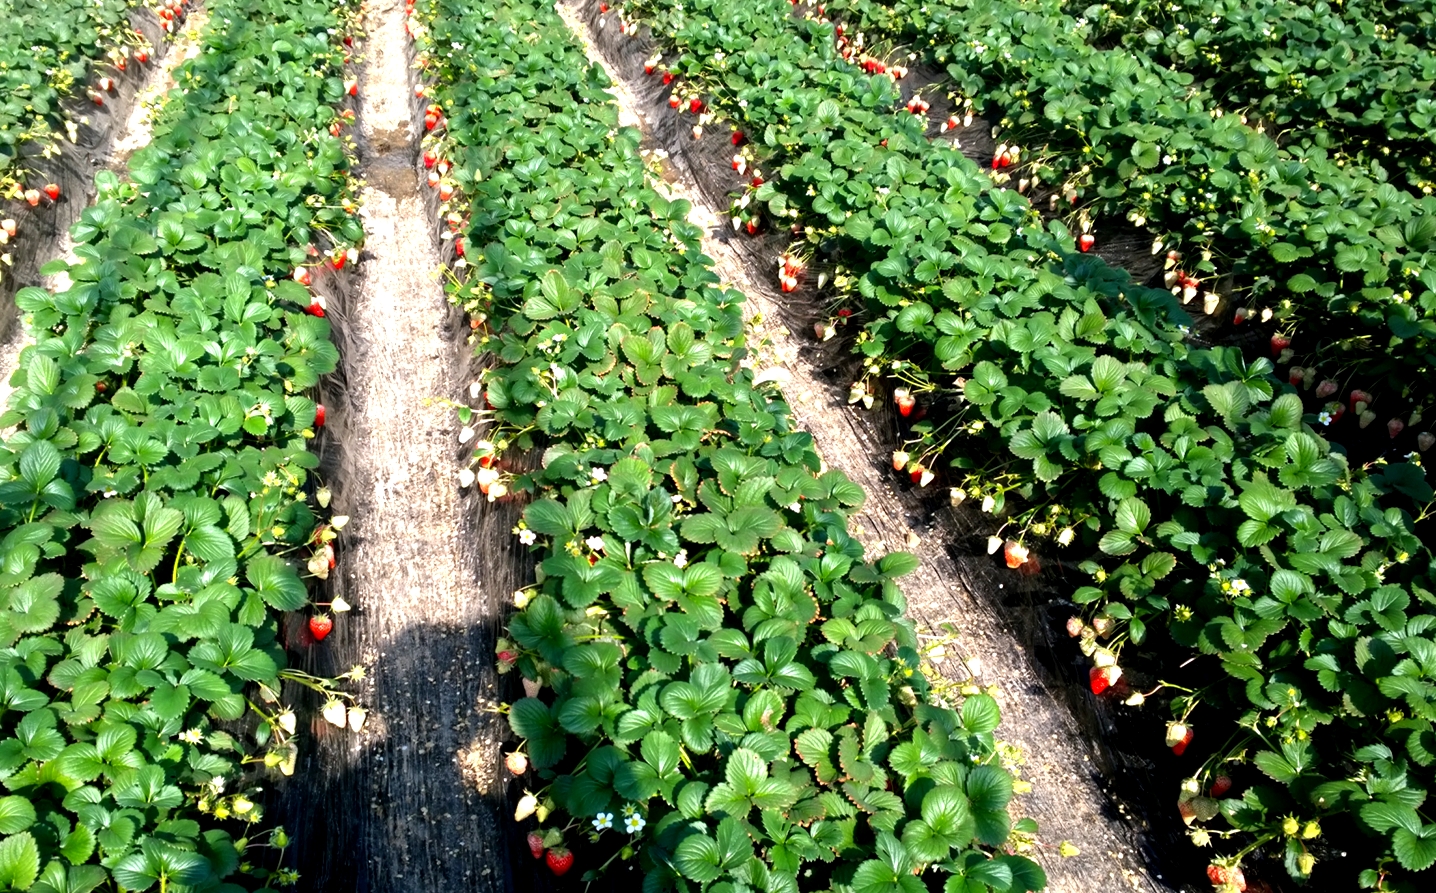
x: 1296, y: 375
x: 1086, y: 241
x: 1179, y: 735
x: 301, y: 275
x: 1222, y: 876
x: 1326, y: 389
x: 517, y: 762
x: 900, y: 460
x: 536, y: 846
x: 1424, y: 440
x: 32, y: 196
x: 1359, y: 396
x: 1395, y: 427
x: 1014, y: 553
x: 1103, y: 678
x: 1220, y: 785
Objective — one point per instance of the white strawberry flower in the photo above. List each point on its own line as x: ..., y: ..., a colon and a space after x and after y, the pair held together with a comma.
x: 598, y: 475
x: 634, y: 824
x: 681, y: 559
x: 527, y: 537
x: 595, y: 543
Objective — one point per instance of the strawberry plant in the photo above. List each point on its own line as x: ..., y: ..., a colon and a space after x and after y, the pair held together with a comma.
x: 723, y: 687
x: 1268, y: 210
x: 157, y: 498
x: 52, y: 53
x: 1211, y: 512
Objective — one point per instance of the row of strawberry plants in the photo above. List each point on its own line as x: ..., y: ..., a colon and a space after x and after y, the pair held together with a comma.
x: 722, y: 687
x: 155, y: 494
x: 1213, y: 513
x: 51, y: 55
x: 1302, y: 223
x: 1360, y: 67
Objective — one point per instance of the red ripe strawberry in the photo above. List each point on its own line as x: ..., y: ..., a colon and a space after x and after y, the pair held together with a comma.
x: 1086, y: 241
x: 667, y: 78
x: 916, y: 473
x: 673, y: 102
x: 603, y: 7
x: 905, y: 403
x: 52, y: 190
x: 301, y: 275
x: 1279, y: 343
x: 430, y: 159
x: 536, y: 846
x: 338, y: 259
x: 319, y: 415
x: 142, y: 57
x: 1220, y: 785
x: 1359, y: 396
x: 320, y: 625
x: 757, y: 181
x: 752, y: 227
x: 559, y: 860
x: 737, y: 137
x: 431, y: 121
x: 315, y: 309
x: 1103, y: 678
x: 845, y: 313
x: 695, y: 105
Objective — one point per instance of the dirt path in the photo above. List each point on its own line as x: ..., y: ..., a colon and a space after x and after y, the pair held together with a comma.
x: 1068, y: 797
x: 113, y: 154
x: 401, y: 806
